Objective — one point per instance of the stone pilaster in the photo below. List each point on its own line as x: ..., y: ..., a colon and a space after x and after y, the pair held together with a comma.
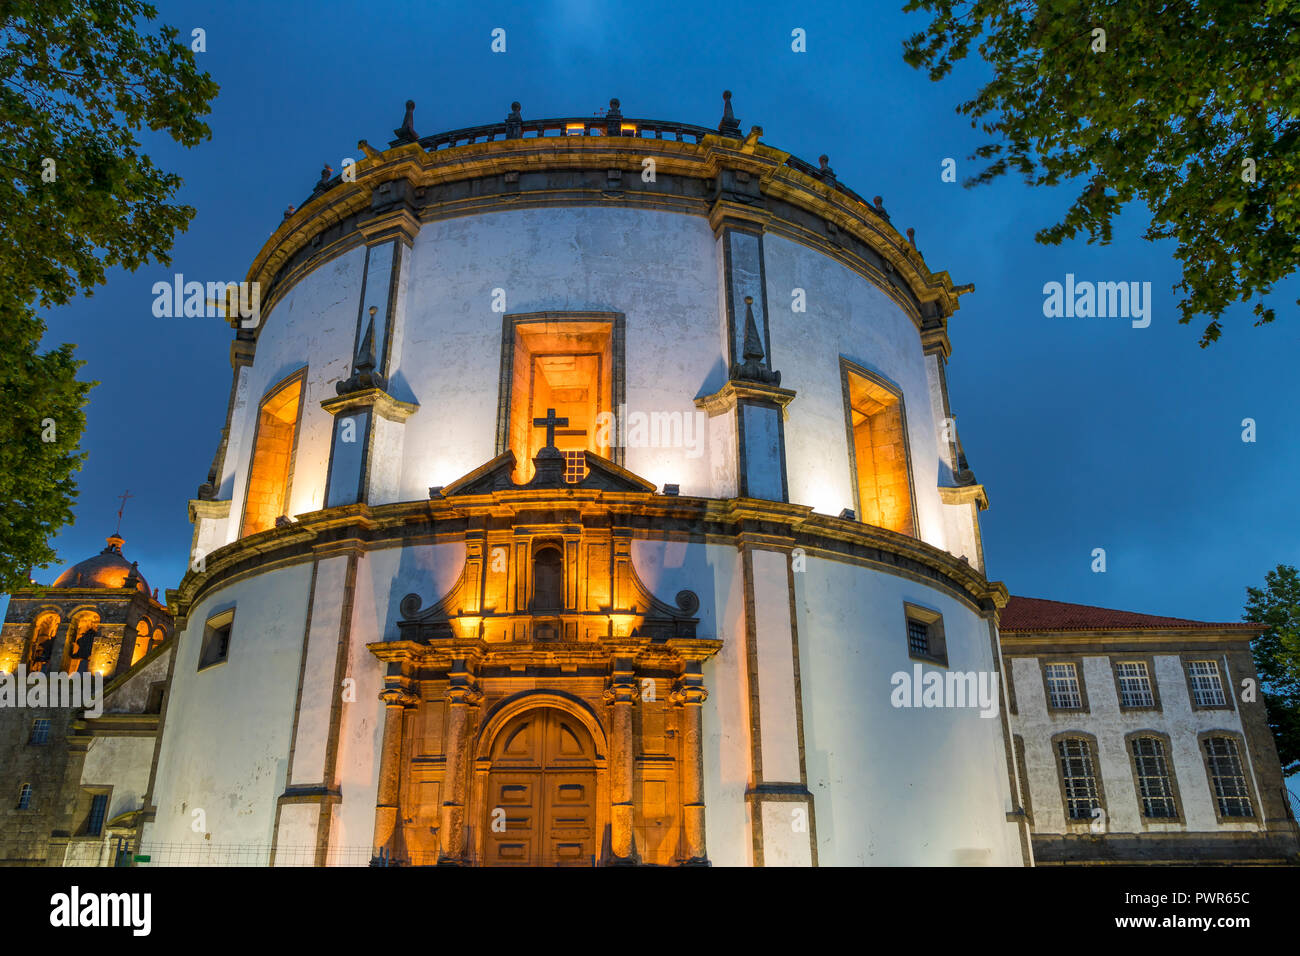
x: 462, y: 695
x: 781, y: 807
x: 690, y: 696
x: 387, y: 801
x: 620, y: 696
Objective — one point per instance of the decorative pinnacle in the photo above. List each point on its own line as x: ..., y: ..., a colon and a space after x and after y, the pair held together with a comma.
x: 614, y: 119
x: 326, y: 172
x: 363, y: 366
x: 753, y: 347
x: 515, y: 122
x: 911, y: 236
x: 753, y: 369
x: 406, y: 132
x: 730, y: 126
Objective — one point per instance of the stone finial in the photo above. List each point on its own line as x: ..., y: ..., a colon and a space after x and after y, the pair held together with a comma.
x: 911, y: 236
x: 515, y: 122
x: 754, y: 368
x: 730, y: 126
x: 289, y: 212
x: 614, y: 119
x: 828, y: 174
x: 132, y: 576
x: 326, y: 172
x: 406, y: 132
x: 877, y: 206
x: 364, y: 375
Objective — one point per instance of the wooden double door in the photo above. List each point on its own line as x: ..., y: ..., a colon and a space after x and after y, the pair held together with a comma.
x: 540, y: 806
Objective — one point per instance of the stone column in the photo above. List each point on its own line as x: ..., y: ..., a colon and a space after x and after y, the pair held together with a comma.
x: 461, y: 696
x: 690, y: 696
x: 390, y: 768
x: 622, y: 692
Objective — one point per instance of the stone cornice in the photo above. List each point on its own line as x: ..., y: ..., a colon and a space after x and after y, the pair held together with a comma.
x: 736, y: 390
x: 383, y: 404
x: 735, y: 522
x: 1073, y: 642
x: 413, y: 170
x: 964, y: 495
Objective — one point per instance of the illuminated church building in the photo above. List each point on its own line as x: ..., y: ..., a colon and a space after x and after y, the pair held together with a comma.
x: 584, y: 486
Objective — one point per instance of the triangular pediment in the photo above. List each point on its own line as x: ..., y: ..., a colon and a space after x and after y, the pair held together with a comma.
x: 495, y: 475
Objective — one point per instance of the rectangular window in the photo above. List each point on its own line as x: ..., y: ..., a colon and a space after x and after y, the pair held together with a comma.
x: 879, y: 450
x: 1207, y: 689
x: 1078, y: 779
x: 1134, y: 684
x: 40, y: 732
x: 1063, y: 687
x: 569, y: 365
x: 925, y: 637
x: 269, y: 468
x: 98, y: 808
x: 25, y: 796
x: 1227, y: 777
x: 216, y: 639
x: 1155, y: 788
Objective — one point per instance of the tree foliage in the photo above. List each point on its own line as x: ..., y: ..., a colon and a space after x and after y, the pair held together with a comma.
x: 1185, y: 101
x: 78, y: 80
x: 1277, y: 656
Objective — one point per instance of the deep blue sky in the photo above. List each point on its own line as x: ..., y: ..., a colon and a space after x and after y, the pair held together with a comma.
x: 1087, y: 433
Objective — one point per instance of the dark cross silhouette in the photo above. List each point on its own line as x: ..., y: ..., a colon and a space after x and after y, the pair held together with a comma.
x: 549, y: 423
x: 124, y: 495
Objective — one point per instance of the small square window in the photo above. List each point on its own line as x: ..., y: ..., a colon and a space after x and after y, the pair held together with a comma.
x: 925, y: 637
x: 40, y: 732
x: 216, y: 639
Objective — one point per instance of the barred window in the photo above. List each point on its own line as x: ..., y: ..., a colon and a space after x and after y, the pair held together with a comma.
x: 1155, y: 788
x: 918, y: 638
x: 1134, y: 684
x: 1227, y: 777
x: 1063, y: 687
x: 40, y: 732
x: 1078, y: 778
x: 575, y: 465
x: 1207, y: 688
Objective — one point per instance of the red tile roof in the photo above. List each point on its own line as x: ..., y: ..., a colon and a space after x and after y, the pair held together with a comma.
x: 1037, y: 614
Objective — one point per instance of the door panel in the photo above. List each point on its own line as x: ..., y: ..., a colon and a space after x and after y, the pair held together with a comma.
x: 543, y: 783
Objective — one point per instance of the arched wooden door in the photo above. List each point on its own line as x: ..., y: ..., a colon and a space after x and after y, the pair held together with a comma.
x: 541, y: 793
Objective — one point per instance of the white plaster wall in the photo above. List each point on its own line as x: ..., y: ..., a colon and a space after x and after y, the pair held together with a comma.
x: 846, y: 315
x: 226, y: 741
x: 383, y: 578
x: 713, y: 572
x: 655, y: 267
x: 1108, y: 724
x: 661, y: 270
x: 314, y: 325
x: 895, y: 786
x: 122, y: 763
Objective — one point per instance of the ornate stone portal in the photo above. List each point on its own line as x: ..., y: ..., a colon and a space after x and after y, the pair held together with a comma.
x: 546, y: 710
